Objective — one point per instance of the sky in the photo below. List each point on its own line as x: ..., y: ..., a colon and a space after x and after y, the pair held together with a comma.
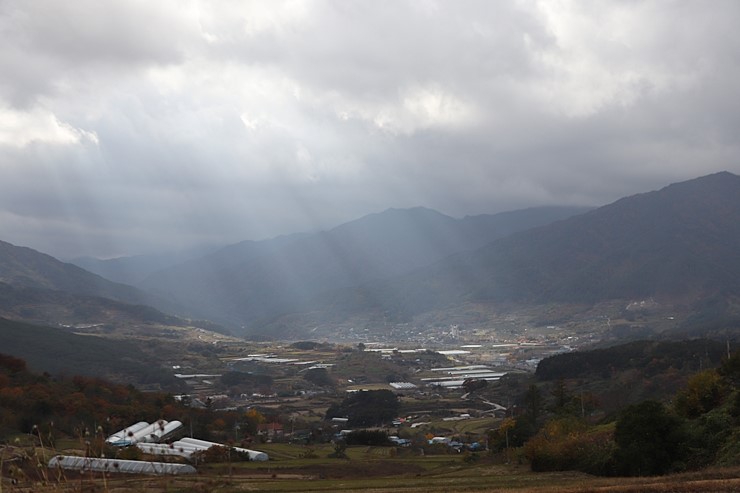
x: 133, y: 127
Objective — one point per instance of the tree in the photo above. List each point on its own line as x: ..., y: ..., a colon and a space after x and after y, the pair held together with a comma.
x: 251, y: 421
x: 730, y: 369
x: 561, y: 395
x: 649, y: 440
x: 499, y: 438
x: 374, y: 438
x: 533, y: 402
x: 11, y: 364
x: 473, y: 384
x: 340, y: 450
x: 318, y: 376
x: 366, y: 408
x: 704, y: 391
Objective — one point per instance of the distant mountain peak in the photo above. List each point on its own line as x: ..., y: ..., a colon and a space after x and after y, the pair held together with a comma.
x: 721, y: 179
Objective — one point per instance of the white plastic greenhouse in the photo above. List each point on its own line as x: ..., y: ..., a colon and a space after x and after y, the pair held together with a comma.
x: 73, y: 463
x: 186, y: 447
x: 143, y: 432
x: 255, y: 455
x: 123, y: 437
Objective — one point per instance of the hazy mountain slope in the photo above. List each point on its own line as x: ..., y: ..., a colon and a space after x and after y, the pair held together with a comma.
x: 39, y: 288
x: 132, y: 270
x: 53, y: 307
x: 257, y: 280
x: 207, y: 269
x: 210, y: 286
x: 27, y: 268
x: 681, y: 241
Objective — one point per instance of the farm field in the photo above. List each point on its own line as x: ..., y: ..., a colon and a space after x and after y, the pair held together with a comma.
x: 295, y: 468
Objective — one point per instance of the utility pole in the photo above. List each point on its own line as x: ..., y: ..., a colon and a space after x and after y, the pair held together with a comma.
x: 583, y: 409
x: 507, y: 444
x: 728, y: 348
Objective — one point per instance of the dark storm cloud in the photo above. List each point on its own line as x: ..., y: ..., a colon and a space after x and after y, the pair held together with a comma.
x: 129, y: 127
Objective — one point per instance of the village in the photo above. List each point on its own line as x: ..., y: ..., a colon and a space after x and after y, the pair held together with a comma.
x: 292, y: 384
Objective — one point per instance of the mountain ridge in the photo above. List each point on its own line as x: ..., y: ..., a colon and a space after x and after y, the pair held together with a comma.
x: 679, y: 241
x: 41, y: 289
x: 25, y: 267
x: 134, y: 269
x: 288, y: 278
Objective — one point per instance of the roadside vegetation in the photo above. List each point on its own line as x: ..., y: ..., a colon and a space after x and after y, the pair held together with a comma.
x: 697, y: 427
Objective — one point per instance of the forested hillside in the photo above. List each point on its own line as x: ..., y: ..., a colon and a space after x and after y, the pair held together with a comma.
x: 30, y: 400
x: 649, y: 357
x: 58, y: 352
x: 638, y: 409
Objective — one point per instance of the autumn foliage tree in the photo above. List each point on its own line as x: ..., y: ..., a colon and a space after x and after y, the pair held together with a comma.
x: 703, y: 392
x: 569, y: 443
x: 75, y: 405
